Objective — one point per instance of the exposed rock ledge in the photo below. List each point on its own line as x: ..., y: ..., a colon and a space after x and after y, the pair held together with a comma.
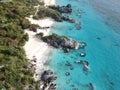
x: 61, y: 42
x: 62, y: 9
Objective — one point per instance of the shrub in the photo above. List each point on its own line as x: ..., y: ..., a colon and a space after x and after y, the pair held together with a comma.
x: 47, y: 12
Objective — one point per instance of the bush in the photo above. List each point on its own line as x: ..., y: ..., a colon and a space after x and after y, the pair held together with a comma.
x: 33, y: 27
x: 25, y: 23
x: 39, y: 35
x: 47, y: 12
x: 12, y: 39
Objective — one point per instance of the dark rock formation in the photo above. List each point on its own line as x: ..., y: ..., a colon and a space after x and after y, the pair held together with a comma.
x: 44, y: 27
x: 66, y: 50
x: 84, y: 63
x: 48, y: 76
x: 52, y: 87
x: 62, y: 9
x: 67, y: 18
x: 82, y: 54
x: 83, y: 45
x: 62, y: 42
x: 69, y: 65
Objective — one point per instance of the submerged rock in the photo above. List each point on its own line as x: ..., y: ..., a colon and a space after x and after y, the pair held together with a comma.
x: 66, y: 50
x: 74, y: 89
x: 68, y: 81
x: 83, y: 44
x: 78, y: 25
x: 84, y: 64
x: 91, y: 87
x: 67, y: 73
x: 71, y: 68
x: 78, y: 61
x: 98, y: 38
x: 62, y: 9
x: 68, y: 63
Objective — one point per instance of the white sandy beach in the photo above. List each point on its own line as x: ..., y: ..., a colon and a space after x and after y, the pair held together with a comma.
x: 49, y: 2
x: 35, y: 48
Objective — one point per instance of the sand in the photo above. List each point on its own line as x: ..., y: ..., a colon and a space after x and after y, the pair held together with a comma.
x: 37, y: 49
x: 49, y: 2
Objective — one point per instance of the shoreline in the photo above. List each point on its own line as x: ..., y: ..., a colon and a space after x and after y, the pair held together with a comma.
x: 35, y: 48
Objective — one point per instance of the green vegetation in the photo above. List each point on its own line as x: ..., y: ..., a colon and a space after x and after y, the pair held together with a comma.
x: 48, y: 12
x: 14, y: 72
x: 33, y: 27
x: 39, y: 35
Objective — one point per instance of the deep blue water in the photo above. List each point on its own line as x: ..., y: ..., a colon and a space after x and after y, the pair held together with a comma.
x: 102, y: 51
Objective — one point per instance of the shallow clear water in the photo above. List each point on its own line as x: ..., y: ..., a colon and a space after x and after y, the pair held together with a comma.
x: 102, y: 51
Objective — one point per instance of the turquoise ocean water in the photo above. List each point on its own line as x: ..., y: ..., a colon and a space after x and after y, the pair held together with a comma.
x: 102, y: 36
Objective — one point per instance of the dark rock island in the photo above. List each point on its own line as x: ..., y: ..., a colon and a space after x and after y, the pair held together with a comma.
x: 61, y: 42
x: 47, y: 78
x: 62, y: 9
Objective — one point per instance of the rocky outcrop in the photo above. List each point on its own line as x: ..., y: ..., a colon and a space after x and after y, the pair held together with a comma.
x: 62, y: 9
x: 47, y: 78
x: 84, y: 63
x: 65, y: 9
x: 67, y: 18
x: 82, y: 54
x: 83, y: 45
x: 61, y: 42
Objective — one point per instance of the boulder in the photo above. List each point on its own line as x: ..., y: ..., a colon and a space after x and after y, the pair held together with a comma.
x: 85, y: 65
x: 82, y: 54
x: 62, y: 9
x: 61, y: 42
x: 67, y: 18
x: 48, y: 76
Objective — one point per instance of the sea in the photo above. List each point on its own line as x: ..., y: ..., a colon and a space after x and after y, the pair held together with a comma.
x: 100, y: 29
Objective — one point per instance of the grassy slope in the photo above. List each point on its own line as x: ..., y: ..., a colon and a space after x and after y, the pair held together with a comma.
x: 14, y: 74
